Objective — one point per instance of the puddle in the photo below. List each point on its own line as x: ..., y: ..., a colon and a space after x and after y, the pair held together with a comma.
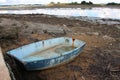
x: 64, y: 49
x: 66, y: 12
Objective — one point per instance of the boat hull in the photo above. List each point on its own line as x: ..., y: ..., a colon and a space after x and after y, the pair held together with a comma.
x: 49, y: 63
x: 37, y: 63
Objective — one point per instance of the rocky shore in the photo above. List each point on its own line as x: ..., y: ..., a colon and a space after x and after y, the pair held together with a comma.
x: 100, y: 60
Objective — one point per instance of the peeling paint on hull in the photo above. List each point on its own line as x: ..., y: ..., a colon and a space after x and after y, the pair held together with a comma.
x: 40, y: 61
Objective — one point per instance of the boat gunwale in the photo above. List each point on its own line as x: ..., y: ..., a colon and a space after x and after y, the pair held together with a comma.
x: 68, y: 52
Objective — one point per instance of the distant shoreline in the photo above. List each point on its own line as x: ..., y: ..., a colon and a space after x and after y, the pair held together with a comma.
x: 22, y: 7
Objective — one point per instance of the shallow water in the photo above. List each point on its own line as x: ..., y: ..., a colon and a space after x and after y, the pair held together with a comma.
x: 66, y: 12
x: 64, y: 49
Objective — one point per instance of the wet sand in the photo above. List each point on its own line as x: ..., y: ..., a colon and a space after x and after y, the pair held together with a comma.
x: 98, y: 61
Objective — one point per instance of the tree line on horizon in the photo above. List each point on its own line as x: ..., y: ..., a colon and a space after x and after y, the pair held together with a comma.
x: 113, y: 3
x: 84, y: 3
x: 74, y: 3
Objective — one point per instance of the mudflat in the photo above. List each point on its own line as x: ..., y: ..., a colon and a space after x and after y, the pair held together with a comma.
x: 94, y: 63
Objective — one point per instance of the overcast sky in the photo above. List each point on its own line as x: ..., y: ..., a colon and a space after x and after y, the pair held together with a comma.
x: 10, y: 2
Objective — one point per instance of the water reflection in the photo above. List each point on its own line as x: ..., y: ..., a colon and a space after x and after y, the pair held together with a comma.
x: 94, y: 12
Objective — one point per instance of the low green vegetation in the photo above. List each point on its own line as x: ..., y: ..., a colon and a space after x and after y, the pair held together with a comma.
x: 72, y: 3
x: 87, y: 3
x: 82, y: 2
x: 113, y: 3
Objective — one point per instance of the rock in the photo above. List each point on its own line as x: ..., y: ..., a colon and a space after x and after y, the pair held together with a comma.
x: 9, y: 35
x: 81, y: 33
x: 118, y: 27
x: 74, y: 33
x: 115, y: 65
x: 10, y: 22
x: 108, y: 38
x: 93, y: 33
x: 47, y: 28
x: 83, y: 78
x: 64, y: 25
x: 111, y: 44
x: 55, y: 31
x: 66, y: 29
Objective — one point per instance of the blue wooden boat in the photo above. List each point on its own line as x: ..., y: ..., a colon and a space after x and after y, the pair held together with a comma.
x: 47, y: 53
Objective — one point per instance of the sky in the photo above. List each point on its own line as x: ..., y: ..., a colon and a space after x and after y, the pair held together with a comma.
x: 12, y: 2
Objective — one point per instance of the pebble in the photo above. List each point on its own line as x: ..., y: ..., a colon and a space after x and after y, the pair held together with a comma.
x: 108, y: 38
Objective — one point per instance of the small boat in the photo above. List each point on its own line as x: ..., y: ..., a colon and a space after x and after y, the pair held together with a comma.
x: 47, y: 53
